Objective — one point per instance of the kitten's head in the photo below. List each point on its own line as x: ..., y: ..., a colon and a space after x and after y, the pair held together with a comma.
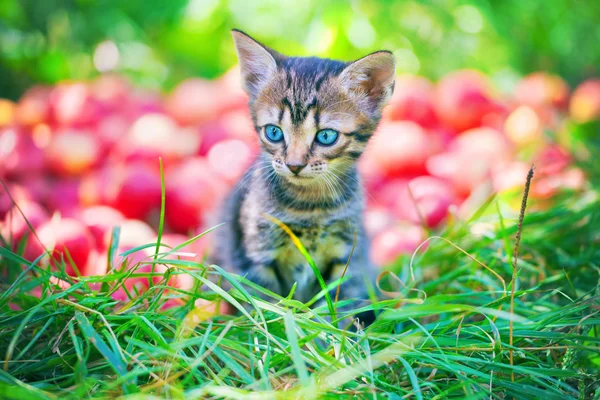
x: 314, y: 116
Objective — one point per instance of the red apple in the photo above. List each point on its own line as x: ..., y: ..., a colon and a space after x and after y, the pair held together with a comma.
x: 541, y: 89
x: 585, y: 102
x: 400, y: 239
x: 399, y: 149
x: 192, y: 190
x: 464, y: 99
x: 60, y: 236
x: 138, y: 191
x: 111, y: 91
x: 482, y: 142
x: 412, y: 100
x: 72, y: 152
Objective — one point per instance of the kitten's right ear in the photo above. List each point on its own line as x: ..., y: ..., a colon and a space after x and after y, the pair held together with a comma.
x: 257, y: 62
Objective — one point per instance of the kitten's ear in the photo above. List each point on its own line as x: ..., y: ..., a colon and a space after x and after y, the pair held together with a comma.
x: 372, y: 77
x: 257, y: 62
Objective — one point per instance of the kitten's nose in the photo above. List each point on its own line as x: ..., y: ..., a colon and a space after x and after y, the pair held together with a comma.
x: 296, y: 168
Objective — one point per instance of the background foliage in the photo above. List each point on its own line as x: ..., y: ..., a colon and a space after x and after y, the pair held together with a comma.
x: 164, y: 41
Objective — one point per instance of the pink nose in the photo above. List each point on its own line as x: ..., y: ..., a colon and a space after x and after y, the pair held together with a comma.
x: 296, y: 168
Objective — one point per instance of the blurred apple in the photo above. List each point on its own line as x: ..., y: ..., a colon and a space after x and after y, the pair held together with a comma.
x: 212, y: 133
x: 110, y: 90
x: 62, y: 236
x: 195, y: 100
x: 230, y: 159
x: 230, y: 83
x: 192, y: 190
x: 101, y: 220
x: 585, y: 102
x: 425, y: 199
x: 64, y: 197
x: 15, y: 222
x: 19, y: 155
x: 394, y: 241
x: 111, y: 129
x: 541, y: 89
x: 18, y: 193
x: 523, y: 126
x: 7, y: 112
x: 34, y: 106
x: 397, y: 149
x: 101, y: 186
x: 482, y: 142
x: 154, y: 135
x: 412, y: 100
x: 510, y: 176
x: 463, y: 99
x: 73, y: 105
x: 72, y: 152
x: 551, y: 160
x: 377, y: 219
x: 138, y: 191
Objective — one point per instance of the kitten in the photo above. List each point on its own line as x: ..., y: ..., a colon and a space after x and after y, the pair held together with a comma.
x: 313, y: 118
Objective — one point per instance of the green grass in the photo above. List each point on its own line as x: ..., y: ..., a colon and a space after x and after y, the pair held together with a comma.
x: 445, y: 334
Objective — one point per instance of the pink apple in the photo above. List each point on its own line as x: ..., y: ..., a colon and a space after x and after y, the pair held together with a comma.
x: 523, y: 126
x: 391, y: 243
x: 19, y: 155
x: 511, y: 175
x: 412, y: 100
x: 154, y: 135
x: 73, y: 105
x: 194, y: 101
x: 377, y: 219
x: 72, y: 152
x: 464, y: 99
x: 18, y: 193
x: 482, y: 142
x: 230, y: 159
x: 64, y: 197
x: 425, y: 199
x: 101, y: 220
x: 551, y: 160
x: 541, y: 89
x: 585, y: 102
x: 34, y: 106
x: 15, y: 226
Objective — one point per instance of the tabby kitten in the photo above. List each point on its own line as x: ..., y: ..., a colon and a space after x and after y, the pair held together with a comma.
x: 313, y: 118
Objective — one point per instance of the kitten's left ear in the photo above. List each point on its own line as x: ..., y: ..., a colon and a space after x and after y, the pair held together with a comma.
x: 372, y: 76
x: 257, y: 62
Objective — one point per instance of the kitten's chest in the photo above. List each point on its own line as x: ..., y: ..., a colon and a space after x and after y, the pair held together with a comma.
x: 325, y: 244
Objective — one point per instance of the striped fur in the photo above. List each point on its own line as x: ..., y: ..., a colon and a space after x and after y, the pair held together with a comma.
x: 323, y: 203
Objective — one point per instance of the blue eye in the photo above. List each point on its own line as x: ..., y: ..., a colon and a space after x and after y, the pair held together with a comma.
x: 273, y: 133
x: 327, y: 137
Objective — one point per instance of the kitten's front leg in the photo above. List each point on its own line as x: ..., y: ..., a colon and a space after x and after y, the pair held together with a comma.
x: 264, y: 275
x: 358, y: 275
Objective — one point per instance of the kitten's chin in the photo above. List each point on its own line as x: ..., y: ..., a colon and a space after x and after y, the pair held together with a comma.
x: 303, y: 181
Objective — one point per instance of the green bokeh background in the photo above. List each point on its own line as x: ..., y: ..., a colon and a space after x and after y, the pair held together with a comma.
x: 162, y: 42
